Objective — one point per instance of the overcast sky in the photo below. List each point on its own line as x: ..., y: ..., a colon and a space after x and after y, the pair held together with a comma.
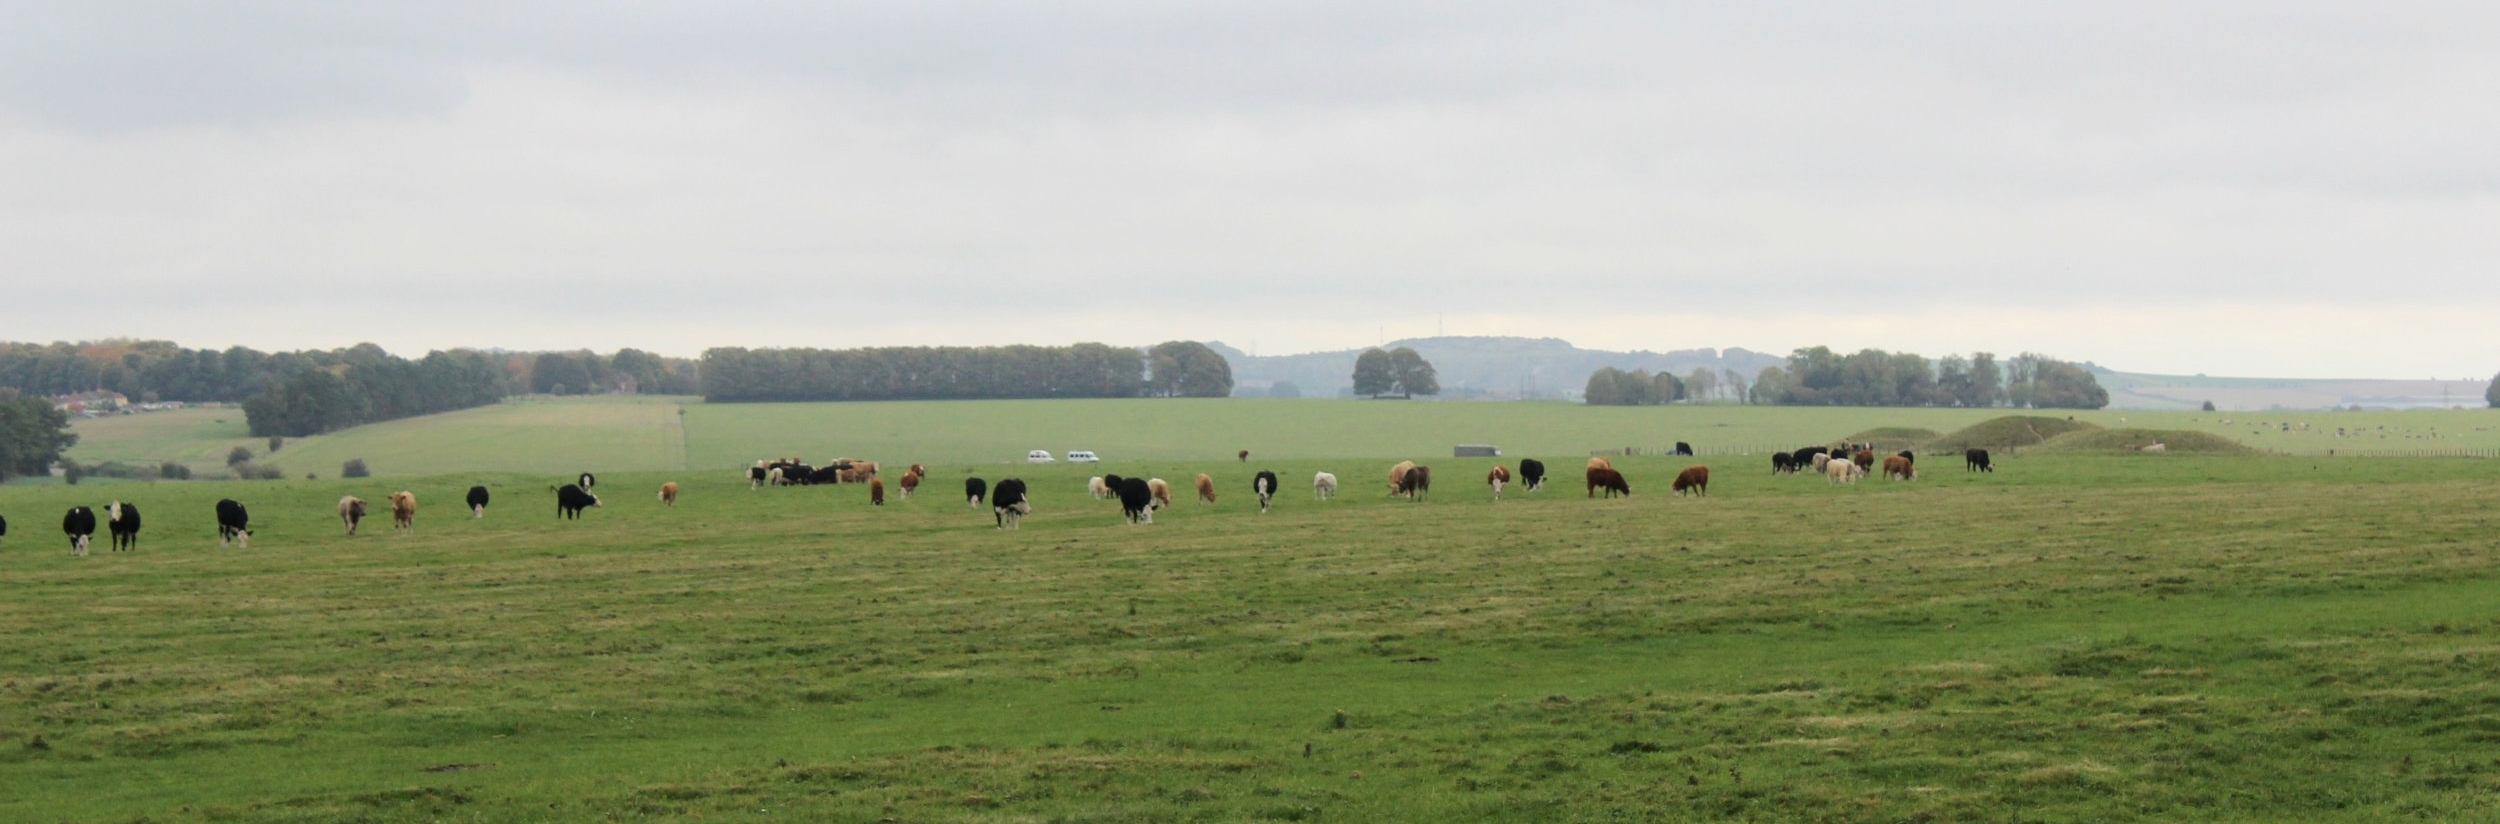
x: 2256, y: 188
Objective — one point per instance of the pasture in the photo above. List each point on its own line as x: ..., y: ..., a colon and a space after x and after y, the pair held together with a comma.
x: 2074, y: 637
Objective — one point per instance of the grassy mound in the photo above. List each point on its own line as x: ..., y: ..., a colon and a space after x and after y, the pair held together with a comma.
x: 1894, y: 438
x: 2010, y: 431
x: 2132, y: 440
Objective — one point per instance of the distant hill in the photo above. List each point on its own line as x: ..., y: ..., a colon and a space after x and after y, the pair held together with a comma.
x: 2130, y: 390
x: 1491, y: 368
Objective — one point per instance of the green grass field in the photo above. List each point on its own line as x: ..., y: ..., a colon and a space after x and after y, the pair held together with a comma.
x: 563, y: 436
x: 2072, y: 638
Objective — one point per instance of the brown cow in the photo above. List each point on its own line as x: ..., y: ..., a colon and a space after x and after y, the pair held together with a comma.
x: 1245, y: 456
x: 404, y: 511
x: 668, y: 493
x: 1609, y: 480
x: 1160, y: 492
x: 1417, y: 483
x: 1694, y: 479
x: 1897, y: 467
x: 1206, y: 489
x: 1498, y: 478
x: 1397, y: 475
x: 876, y: 492
x: 1864, y: 458
x: 911, y: 481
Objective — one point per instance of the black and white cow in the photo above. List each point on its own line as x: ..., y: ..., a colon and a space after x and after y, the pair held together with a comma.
x: 757, y: 474
x: 1976, y: 460
x: 233, y: 523
x: 477, y: 500
x: 1008, y: 506
x: 123, y: 520
x: 1531, y: 474
x: 1265, y: 485
x: 571, y: 500
x: 974, y: 490
x: 80, y: 524
x: 1137, y: 500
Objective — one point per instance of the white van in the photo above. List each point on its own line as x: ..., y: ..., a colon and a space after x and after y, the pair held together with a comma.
x: 1081, y: 456
x: 1038, y: 456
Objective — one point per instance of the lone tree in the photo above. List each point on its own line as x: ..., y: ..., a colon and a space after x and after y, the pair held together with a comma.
x: 1373, y: 374
x: 1188, y: 369
x: 32, y: 435
x: 2209, y: 406
x: 1414, y: 374
x: 2491, y: 394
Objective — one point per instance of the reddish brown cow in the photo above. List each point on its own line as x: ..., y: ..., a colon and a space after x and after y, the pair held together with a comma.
x: 876, y: 492
x: 1609, y: 480
x: 668, y: 493
x: 1897, y: 467
x: 1206, y: 489
x: 911, y: 481
x: 1498, y: 478
x: 1864, y: 458
x: 1694, y: 479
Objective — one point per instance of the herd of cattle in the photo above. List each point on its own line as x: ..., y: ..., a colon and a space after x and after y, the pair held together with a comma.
x: 1009, y: 501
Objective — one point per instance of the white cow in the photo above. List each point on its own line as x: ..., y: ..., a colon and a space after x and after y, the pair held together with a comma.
x: 1323, y: 486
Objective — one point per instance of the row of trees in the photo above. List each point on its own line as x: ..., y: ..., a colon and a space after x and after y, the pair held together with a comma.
x: 1615, y: 387
x: 369, y: 385
x: 32, y: 434
x: 1401, y: 372
x: 1085, y: 370
x: 1818, y: 376
x: 629, y: 371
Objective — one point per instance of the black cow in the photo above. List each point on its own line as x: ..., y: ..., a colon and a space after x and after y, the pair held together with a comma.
x: 1976, y: 460
x: 233, y: 523
x: 1531, y: 474
x: 586, y: 481
x: 1905, y: 455
x: 477, y: 500
x: 1682, y: 448
x: 825, y: 475
x: 1417, y: 482
x: 123, y: 520
x: 571, y: 500
x: 1803, y: 458
x: 1137, y: 501
x: 1781, y: 462
x: 797, y: 475
x: 756, y: 476
x: 1008, y: 505
x: 80, y: 524
x: 1264, y: 484
x: 974, y: 490
x: 4, y: 527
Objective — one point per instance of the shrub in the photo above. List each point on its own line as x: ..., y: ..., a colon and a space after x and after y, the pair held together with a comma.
x: 239, y: 455
x: 173, y: 471
x: 255, y: 472
x: 2209, y: 406
x: 276, y: 441
x: 354, y: 468
x: 71, y: 472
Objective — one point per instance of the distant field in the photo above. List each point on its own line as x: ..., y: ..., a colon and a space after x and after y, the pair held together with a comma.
x: 561, y: 436
x: 2071, y: 638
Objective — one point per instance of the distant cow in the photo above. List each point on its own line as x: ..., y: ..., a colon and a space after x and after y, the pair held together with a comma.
x: 668, y: 493
x: 1805, y: 457
x: 123, y: 520
x: 910, y: 482
x: 1609, y: 480
x: 1245, y: 456
x: 1417, y: 483
x: 233, y: 523
x: 586, y: 481
x: 1531, y: 474
x: 1323, y: 486
x: 1865, y: 459
x: 1008, y: 504
x: 1822, y: 460
x: 1601, y: 463
x: 1682, y: 448
x: 1264, y: 485
x: 757, y: 474
x: 80, y: 525
x: 4, y: 527
x: 1206, y: 489
x: 1897, y: 467
x: 1976, y: 460
x: 1907, y: 456
x: 1095, y: 487
x: 1782, y: 462
x: 975, y: 489
x: 1397, y: 476
x: 1842, y: 472
x: 404, y: 511
x: 1498, y: 478
x: 876, y: 492
x: 571, y: 500
x: 1161, y: 490
x: 1137, y: 501
x: 351, y: 512
x: 477, y: 501
x: 827, y: 474
x: 1694, y: 479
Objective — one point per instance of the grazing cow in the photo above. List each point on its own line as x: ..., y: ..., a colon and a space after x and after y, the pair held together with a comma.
x: 1805, y: 457
x: 1531, y: 474
x: 233, y: 523
x: 1601, y: 463
x: 351, y: 512
x: 876, y: 492
x: 586, y: 481
x: 1323, y: 486
x: 1694, y: 479
x: 975, y: 489
x: 1905, y: 455
x: 2156, y: 446
x: 1416, y: 484
x: 910, y: 482
x: 1607, y: 479
x: 404, y: 511
x: 1864, y: 458
x: 1683, y: 449
x: 1397, y: 475
x: 1498, y: 478
x: 4, y: 527
x: 776, y: 477
x: 757, y: 475
x: 1976, y: 460
x: 828, y: 474
x: 1162, y: 492
x: 668, y: 493
x: 1245, y: 456
x: 1094, y: 486
x: 1842, y: 472
x: 1781, y: 462
x: 571, y: 500
x: 123, y: 520
x: 477, y: 500
x: 917, y: 469
x: 1897, y: 467
x: 1206, y: 489
x: 80, y: 525
x: 1008, y: 504
x: 1264, y: 484
x: 1137, y: 501
x: 1822, y: 460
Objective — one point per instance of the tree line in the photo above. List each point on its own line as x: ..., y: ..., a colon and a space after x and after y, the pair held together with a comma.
x: 1817, y: 376
x: 1084, y: 370
x: 1402, y: 372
